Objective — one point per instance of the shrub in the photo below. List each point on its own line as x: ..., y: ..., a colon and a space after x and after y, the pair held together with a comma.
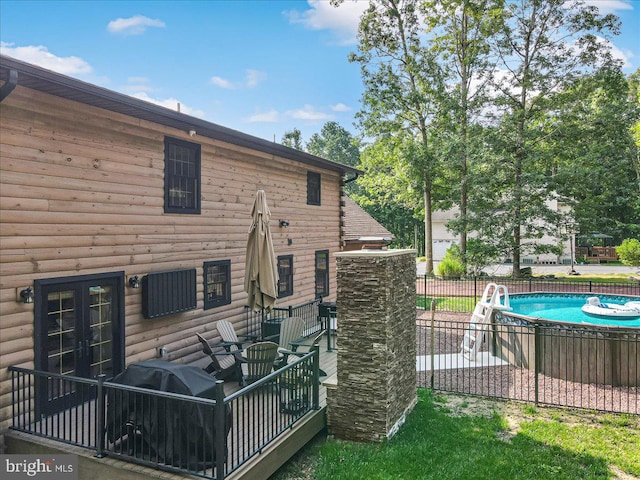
x: 629, y: 252
x: 451, y: 265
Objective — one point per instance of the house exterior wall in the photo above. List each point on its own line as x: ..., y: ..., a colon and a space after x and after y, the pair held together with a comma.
x: 82, y: 192
x: 443, y: 238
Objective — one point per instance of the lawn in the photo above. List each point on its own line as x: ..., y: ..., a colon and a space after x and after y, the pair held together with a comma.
x: 451, y: 437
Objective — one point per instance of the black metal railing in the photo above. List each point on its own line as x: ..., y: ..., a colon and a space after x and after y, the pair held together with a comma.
x: 461, y: 295
x: 152, y: 428
x: 560, y: 365
x: 315, y: 318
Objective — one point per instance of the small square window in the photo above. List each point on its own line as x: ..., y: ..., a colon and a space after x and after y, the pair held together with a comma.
x: 322, y: 273
x: 217, y: 283
x: 285, y: 272
x: 313, y: 188
x: 181, y: 176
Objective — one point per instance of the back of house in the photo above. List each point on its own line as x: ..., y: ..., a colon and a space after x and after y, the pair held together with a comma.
x: 124, y: 227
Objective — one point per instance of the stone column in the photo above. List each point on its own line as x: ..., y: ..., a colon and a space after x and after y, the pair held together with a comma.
x: 376, y: 379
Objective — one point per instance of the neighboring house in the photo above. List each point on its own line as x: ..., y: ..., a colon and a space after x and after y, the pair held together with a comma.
x: 443, y: 238
x: 361, y: 230
x: 126, y: 224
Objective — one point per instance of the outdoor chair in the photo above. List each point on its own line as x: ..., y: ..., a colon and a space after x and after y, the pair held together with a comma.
x: 224, y: 365
x: 230, y: 340
x: 290, y: 356
x: 258, y: 361
x: 291, y: 330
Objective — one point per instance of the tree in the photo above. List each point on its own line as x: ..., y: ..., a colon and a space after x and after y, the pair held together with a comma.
x: 541, y: 48
x: 292, y: 139
x: 400, y: 83
x: 336, y: 144
x: 591, y: 140
x: 629, y: 252
x: 387, y: 192
x: 460, y: 33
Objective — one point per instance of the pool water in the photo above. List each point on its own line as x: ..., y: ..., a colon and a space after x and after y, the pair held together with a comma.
x: 567, y: 308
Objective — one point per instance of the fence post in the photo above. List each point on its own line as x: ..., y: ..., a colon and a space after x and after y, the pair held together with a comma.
x: 101, y: 416
x: 424, y: 279
x: 316, y: 377
x: 432, y: 340
x: 537, y: 350
x: 475, y: 289
x: 290, y: 310
x: 219, y: 414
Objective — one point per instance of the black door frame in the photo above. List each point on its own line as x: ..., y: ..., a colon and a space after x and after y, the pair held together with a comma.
x: 40, y: 314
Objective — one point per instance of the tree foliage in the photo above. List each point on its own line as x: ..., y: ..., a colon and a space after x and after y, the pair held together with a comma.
x: 629, y: 252
x: 293, y: 139
x: 400, y: 81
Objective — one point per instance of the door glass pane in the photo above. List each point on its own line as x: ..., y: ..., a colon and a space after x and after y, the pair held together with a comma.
x: 61, y: 340
x: 61, y: 318
x: 100, y: 341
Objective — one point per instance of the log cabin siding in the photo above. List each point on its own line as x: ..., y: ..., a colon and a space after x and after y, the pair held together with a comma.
x: 82, y: 192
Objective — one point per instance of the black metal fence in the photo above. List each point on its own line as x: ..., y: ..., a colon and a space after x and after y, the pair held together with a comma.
x: 151, y: 427
x: 573, y: 366
x: 461, y: 295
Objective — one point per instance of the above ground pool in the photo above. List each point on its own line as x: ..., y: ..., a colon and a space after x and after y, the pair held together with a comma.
x: 566, y: 307
x: 548, y: 333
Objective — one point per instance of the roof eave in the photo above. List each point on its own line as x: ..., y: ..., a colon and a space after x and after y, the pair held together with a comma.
x: 53, y: 83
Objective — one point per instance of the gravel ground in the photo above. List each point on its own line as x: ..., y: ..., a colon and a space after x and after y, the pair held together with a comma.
x: 508, y: 381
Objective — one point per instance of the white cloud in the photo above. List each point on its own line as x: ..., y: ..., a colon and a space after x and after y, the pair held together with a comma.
x: 340, y: 107
x: 137, y: 85
x: 272, y: 116
x: 610, y: 6
x: 222, y: 83
x: 171, y: 103
x: 618, y: 54
x: 135, y: 25
x: 252, y: 79
x: 39, y: 55
x: 341, y: 21
x: 309, y: 114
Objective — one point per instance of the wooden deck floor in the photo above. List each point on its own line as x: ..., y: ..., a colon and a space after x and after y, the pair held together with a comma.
x: 247, y: 432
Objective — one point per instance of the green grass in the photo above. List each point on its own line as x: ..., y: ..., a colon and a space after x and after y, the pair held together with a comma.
x: 452, y: 304
x: 434, y: 444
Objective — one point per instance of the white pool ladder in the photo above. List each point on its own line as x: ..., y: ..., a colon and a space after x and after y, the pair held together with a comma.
x: 494, y: 297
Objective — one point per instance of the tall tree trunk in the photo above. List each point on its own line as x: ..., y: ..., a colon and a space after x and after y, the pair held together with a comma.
x: 428, y: 231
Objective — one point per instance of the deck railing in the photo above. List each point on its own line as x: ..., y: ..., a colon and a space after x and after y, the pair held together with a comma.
x: 311, y: 312
x: 461, y: 295
x: 559, y: 365
x: 152, y: 428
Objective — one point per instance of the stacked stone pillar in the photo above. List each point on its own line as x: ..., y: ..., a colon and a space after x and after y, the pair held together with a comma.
x: 376, y: 378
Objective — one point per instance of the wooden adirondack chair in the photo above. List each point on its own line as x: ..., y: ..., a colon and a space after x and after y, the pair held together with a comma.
x: 223, y: 366
x: 230, y: 340
x: 258, y: 361
x: 291, y: 330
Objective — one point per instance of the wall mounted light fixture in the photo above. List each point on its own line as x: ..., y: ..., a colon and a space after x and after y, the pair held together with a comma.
x: 134, y: 282
x: 284, y: 224
x: 26, y: 295
x: 192, y: 132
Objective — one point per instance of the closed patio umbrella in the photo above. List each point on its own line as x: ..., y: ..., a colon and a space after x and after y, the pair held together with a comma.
x: 261, y: 268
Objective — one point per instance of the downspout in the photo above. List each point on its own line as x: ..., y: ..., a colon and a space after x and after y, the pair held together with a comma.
x: 355, y: 177
x: 8, y: 87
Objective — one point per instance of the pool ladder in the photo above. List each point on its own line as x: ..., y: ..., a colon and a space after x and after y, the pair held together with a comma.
x: 494, y: 297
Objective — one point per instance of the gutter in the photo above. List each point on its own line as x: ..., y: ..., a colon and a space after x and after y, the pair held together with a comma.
x: 9, y: 85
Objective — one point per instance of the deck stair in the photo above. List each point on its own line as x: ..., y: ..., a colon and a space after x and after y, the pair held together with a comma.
x: 494, y: 297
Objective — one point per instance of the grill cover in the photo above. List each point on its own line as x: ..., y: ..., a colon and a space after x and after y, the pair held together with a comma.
x: 172, y: 431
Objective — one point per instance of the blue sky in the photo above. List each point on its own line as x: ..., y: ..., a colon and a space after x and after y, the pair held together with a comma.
x: 262, y: 67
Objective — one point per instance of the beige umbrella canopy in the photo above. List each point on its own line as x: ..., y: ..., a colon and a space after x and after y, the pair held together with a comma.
x: 261, y: 268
